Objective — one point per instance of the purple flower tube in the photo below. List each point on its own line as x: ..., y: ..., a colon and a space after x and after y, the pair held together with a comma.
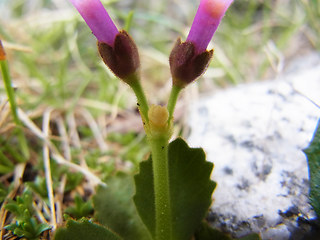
x: 206, y: 22
x: 97, y: 19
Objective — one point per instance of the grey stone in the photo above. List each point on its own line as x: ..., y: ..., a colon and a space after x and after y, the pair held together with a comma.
x: 254, y: 134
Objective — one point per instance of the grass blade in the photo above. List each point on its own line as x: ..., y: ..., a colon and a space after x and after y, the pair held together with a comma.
x: 11, y: 97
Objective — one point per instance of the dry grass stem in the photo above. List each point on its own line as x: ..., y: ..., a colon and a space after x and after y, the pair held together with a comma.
x: 73, y: 132
x: 90, y: 176
x: 4, y: 114
x: 64, y: 138
x: 67, y: 154
x: 90, y: 103
x: 16, y: 47
x: 47, y: 168
x: 95, y: 129
x: 274, y: 56
x: 54, y: 152
x: 39, y: 212
x: 75, y: 139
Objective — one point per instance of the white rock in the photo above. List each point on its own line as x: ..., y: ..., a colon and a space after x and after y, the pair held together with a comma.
x: 254, y: 134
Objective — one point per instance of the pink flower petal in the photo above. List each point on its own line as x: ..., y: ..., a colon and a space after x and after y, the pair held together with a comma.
x: 97, y: 19
x: 206, y: 22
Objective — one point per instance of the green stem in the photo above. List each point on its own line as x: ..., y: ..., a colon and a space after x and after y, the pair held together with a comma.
x: 159, y: 153
x: 12, y: 101
x: 173, y: 100
x: 142, y: 100
x: 9, y: 89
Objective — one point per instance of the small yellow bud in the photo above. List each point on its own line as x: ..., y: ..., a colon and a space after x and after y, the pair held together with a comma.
x: 158, y: 115
x: 158, y: 120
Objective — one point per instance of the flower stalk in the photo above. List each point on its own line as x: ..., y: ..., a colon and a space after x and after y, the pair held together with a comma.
x: 159, y: 151
x: 159, y: 131
x: 142, y: 100
x: 175, y: 90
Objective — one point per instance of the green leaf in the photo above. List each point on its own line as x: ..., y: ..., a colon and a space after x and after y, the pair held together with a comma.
x: 42, y: 227
x: 144, y: 196
x: 313, y: 156
x: 205, y: 232
x: 84, y: 230
x: 114, y: 208
x: 81, y: 208
x: 39, y: 186
x: 13, y: 208
x: 28, y: 228
x: 20, y: 232
x: 190, y: 189
x: 11, y: 227
x: 73, y: 180
x: 21, y: 207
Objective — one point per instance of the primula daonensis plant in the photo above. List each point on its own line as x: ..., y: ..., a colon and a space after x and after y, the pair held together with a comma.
x: 173, y: 188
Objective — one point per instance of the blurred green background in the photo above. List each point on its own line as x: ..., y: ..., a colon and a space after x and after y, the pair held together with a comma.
x: 54, y: 62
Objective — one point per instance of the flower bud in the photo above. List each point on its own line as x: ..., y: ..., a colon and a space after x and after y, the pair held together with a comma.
x: 122, y: 58
x: 158, y: 125
x: 185, y: 64
x: 189, y: 59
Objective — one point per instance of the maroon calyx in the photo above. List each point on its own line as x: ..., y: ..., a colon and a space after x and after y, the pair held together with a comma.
x: 185, y: 65
x: 123, y: 58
